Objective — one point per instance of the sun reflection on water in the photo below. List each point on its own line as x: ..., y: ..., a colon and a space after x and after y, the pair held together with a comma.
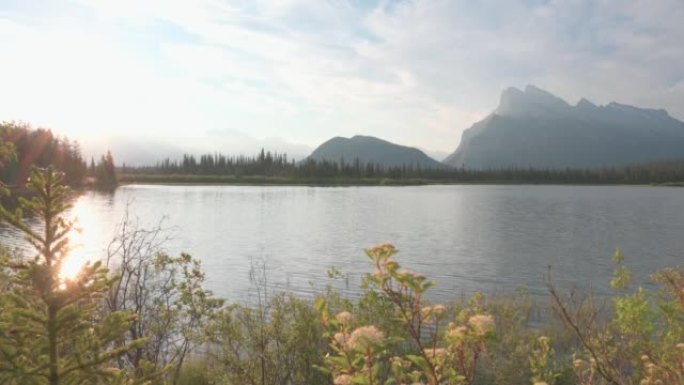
x: 80, y: 240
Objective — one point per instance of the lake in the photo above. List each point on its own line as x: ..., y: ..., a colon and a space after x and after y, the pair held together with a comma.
x: 466, y: 237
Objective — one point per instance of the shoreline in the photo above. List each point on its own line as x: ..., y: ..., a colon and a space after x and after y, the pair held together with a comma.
x: 222, y: 180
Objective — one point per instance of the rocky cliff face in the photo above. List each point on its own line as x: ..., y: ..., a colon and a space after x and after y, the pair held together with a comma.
x: 533, y: 128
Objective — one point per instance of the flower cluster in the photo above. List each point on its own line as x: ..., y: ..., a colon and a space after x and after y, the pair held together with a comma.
x: 344, y: 318
x: 482, y: 323
x: 383, y: 250
x: 365, y: 337
x: 343, y: 379
x: 355, y: 349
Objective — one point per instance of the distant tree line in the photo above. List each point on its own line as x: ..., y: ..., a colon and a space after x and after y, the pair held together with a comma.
x: 271, y: 164
x: 22, y: 148
x: 265, y: 163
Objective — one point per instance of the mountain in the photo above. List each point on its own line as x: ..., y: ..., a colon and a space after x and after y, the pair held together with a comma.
x: 368, y: 149
x: 533, y: 128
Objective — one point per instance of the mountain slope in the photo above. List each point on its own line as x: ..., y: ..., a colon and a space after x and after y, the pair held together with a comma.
x: 368, y: 149
x: 533, y: 128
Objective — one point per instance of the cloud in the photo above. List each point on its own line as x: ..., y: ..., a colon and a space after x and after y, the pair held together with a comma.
x: 416, y: 72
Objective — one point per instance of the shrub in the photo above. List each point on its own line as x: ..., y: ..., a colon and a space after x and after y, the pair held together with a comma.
x: 639, y: 342
x: 434, y: 348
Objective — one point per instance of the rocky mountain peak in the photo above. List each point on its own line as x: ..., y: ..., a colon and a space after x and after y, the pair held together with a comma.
x: 533, y: 101
x: 585, y: 104
x: 533, y: 128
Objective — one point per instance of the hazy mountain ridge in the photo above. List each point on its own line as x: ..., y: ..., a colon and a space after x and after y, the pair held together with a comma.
x: 533, y: 128
x: 368, y: 149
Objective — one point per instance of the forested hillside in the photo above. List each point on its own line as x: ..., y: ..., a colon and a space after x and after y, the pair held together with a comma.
x: 25, y: 147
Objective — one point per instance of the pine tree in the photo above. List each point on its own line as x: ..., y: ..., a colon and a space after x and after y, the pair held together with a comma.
x: 105, y: 173
x: 52, y: 330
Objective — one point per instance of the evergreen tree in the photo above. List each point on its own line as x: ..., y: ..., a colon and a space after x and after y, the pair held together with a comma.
x: 38, y: 148
x: 105, y: 173
x: 6, y: 148
x: 52, y: 330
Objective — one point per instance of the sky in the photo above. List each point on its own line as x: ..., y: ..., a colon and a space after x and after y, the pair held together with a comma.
x: 166, y: 76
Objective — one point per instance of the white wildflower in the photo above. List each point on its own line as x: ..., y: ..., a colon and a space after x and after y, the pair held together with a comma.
x: 344, y: 317
x: 340, y: 339
x: 364, y: 337
x: 457, y: 333
x: 343, y: 379
x: 482, y: 323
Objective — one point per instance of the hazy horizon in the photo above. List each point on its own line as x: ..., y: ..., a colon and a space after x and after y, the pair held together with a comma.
x: 236, y: 76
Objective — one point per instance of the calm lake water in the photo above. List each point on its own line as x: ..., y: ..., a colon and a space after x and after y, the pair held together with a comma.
x: 467, y: 238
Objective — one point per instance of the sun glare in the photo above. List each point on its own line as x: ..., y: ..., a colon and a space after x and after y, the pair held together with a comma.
x: 79, y: 241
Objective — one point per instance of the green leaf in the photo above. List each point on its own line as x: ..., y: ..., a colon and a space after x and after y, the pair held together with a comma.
x: 419, y: 361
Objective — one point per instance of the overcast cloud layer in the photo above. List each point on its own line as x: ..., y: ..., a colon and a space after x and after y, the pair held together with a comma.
x: 211, y: 74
